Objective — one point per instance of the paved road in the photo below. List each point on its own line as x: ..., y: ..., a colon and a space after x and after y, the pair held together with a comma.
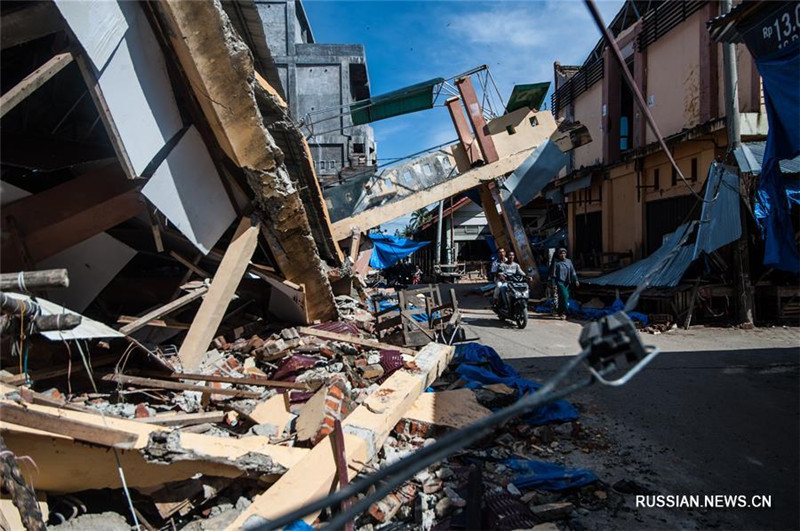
x: 717, y: 413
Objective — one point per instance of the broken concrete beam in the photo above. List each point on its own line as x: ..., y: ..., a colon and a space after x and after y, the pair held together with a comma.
x: 453, y: 409
x: 218, y: 68
x: 365, y: 431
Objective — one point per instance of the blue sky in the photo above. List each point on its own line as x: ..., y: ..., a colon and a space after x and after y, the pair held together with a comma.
x: 409, y: 41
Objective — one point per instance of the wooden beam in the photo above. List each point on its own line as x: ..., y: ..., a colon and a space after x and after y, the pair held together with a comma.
x: 369, y: 343
x: 185, y: 419
x: 376, y: 216
x: 33, y: 21
x: 191, y: 266
x: 222, y: 289
x: 35, y: 280
x: 160, y: 323
x: 365, y: 431
x: 170, y: 307
x: 33, y: 81
x: 138, y: 381
x: 82, y: 431
x: 65, y: 215
x: 231, y: 379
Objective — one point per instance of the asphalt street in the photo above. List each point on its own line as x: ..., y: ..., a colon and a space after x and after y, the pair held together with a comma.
x: 717, y: 413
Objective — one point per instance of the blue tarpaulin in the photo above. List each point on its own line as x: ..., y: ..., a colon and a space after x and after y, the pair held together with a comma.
x: 592, y: 314
x: 547, y: 476
x: 389, y: 249
x: 480, y: 365
x: 780, y: 72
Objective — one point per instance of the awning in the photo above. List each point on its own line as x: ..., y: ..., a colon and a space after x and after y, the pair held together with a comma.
x: 404, y: 101
x: 578, y: 184
x: 389, y: 250
x: 531, y: 96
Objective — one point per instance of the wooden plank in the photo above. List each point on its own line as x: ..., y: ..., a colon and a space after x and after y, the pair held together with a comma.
x: 365, y: 431
x: 190, y: 265
x: 138, y: 381
x: 185, y: 419
x: 230, y: 379
x: 82, y: 431
x: 222, y: 289
x: 160, y: 323
x: 394, y: 209
x: 143, y: 321
x: 333, y: 336
x: 33, y: 81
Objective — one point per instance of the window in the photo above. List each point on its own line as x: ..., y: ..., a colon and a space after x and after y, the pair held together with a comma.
x: 322, y: 165
x: 674, y: 176
x: 332, y: 165
x: 358, y: 147
x: 426, y: 169
x: 389, y: 184
x: 407, y: 177
x: 694, y: 170
x: 511, y: 130
x: 655, y: 179
x: 446, y: 163
x: 470, y: 229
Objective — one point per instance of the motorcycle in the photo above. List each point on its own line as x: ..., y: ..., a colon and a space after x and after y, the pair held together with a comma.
x: 514, y: 305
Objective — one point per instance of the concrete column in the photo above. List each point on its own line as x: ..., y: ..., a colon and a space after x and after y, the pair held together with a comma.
x: 493, y: 217
x: 475, y: 116
x: 462, y: 130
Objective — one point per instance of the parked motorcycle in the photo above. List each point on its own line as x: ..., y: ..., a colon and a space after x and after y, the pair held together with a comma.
x: 514, y: 305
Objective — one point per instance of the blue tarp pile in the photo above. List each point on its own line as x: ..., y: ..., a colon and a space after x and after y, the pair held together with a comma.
x: 388, y: 250
x: 592, y: 314
x: 547, y: 476
x: 480, y: 365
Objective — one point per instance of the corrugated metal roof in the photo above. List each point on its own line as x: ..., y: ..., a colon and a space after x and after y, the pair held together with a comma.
x: 536, y: 171
x: 719, y: 225
x: 669, y: 273
x: 750, y: 156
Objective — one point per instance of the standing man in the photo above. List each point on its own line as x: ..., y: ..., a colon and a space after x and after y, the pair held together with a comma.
x: 562, y: 274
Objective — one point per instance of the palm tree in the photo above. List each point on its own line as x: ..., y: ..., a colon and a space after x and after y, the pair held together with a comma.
x: 419, y: 217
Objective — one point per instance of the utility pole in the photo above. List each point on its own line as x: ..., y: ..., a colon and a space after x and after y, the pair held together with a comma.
x: 744, y: 290
x: 437, y: 259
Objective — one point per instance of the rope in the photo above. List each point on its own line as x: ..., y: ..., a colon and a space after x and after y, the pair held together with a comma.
x: 22, y: 495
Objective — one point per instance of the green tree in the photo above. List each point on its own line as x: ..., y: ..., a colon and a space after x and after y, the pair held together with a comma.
x: 419, y: 217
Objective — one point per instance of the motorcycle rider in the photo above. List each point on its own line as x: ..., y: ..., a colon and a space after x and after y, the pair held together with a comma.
x: 505, y: 269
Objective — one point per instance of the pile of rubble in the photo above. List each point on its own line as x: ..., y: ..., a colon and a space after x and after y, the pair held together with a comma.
x: 249, y: 435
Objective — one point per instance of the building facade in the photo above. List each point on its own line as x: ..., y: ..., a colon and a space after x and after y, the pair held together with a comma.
x: 319, y: 82
x: 622, y: 193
